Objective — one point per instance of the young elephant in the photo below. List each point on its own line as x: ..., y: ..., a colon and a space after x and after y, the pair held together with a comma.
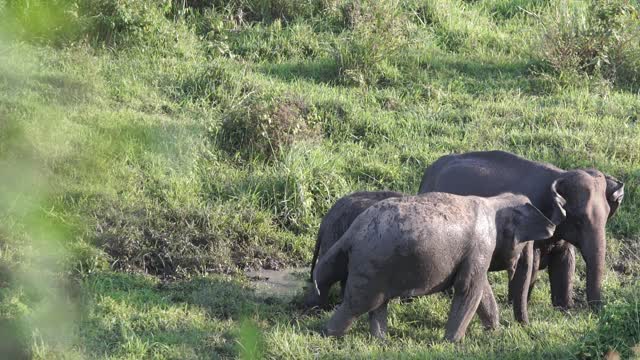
x: 336, y: 223
x: 419, y: 245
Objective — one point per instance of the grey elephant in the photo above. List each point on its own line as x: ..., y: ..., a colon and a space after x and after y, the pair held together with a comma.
x: 592, y: 197
x: 418, y: 245
x: 336, y: 222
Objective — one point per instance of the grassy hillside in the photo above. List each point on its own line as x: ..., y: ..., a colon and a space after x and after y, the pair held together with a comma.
x: 151, y: 151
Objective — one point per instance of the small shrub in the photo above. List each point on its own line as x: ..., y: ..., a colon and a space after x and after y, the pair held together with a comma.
x: 365, y: 54
x: 264, y: 127
x: 603, y: 41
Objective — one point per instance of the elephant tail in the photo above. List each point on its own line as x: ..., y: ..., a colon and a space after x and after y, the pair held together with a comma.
x: 332, y: 266
x: 316, y: 251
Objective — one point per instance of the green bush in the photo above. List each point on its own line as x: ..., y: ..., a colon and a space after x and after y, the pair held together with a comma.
x: 365, y: 54
x: 603, y: 40
x: 264, y: 127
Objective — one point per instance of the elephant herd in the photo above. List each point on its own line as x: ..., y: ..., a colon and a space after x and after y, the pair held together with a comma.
x: 474, y: 213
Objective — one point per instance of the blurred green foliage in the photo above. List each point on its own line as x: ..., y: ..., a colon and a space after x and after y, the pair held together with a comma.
x: 145, y: 145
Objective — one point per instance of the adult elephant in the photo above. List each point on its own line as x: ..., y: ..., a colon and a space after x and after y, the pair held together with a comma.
x: 591, y: 198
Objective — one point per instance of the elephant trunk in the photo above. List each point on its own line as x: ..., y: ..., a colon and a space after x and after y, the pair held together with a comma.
x: 593, y: 252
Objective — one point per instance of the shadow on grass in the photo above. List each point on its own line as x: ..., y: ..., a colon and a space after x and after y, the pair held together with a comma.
x: 469, y: 75
x: 60, y: 89
x: 138, y: 315
x: 479, y: 77
x: 323, y: 71
x: 135, y: 315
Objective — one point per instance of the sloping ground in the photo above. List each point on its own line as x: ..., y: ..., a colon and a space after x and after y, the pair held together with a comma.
x: 149, y: 154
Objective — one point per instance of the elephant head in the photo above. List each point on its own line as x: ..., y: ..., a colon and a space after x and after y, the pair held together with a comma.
x: 591, y: 199
x: 518, y: 225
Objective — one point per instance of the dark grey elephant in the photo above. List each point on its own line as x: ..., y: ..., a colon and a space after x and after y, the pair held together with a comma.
x: 592, y: 197
x: 336, y: 222
x: 418, y: 245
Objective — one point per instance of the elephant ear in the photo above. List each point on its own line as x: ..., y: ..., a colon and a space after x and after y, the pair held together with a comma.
x: 558, y: 213
x: 615, y: 193
x: 531, y: 224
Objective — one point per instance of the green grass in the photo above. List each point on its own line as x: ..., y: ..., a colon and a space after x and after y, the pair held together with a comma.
x: 151, y: 153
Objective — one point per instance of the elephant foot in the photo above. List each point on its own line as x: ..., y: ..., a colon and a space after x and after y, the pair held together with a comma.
x: 326, y: 332
x: 595, y: 306
x: 563, y: 305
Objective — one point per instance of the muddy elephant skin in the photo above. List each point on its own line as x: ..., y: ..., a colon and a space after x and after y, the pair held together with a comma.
x: 336, y: 222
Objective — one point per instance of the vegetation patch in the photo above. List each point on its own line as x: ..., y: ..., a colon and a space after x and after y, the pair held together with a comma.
x: 264, y: 127
x: 172, y: 242
x: 366, y: 53
x: 600, y: 40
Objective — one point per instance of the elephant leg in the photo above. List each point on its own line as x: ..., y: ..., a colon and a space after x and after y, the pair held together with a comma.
x: 355, y: 303
x: 535, y: 269
x: 467, y: 296
x: 343, y: 286
x: 488, y: 309
x: 340, y: 321
x: 562, y: 266
x: 519, y: 284
x: 378, y: 321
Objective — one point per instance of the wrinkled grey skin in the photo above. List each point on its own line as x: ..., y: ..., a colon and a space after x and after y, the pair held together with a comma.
x: 336, y: 223
x: 419, y: 245
x: 591, y: 198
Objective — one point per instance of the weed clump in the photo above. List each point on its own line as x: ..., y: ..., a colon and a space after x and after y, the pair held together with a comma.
x: 603, y: 41
x: 376, y: 34
x: 263, y: 127
x: 214, y: 84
